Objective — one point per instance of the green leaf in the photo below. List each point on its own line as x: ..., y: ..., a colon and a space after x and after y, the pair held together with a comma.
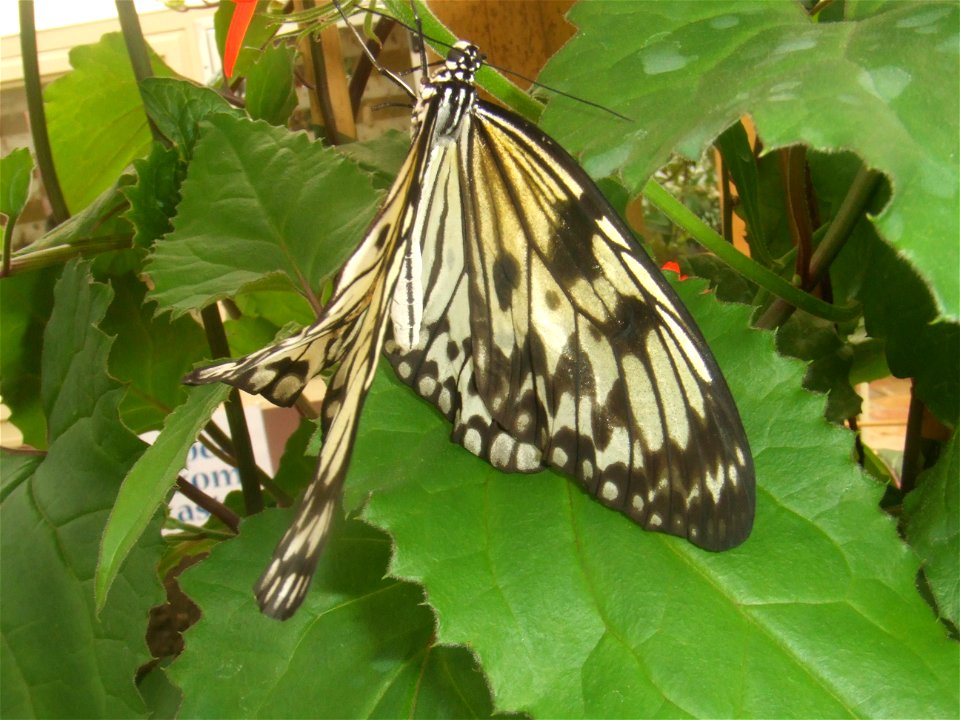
x: 276, y: 307
x: 153, y: 198
x: 899, y: 309
x: 383, y: 156
x: 296, y: 466
x: 96, y: 119
x: 149, y: 482
x: 931, y: 513
x: 258, y: 201
x: 59, y: 659
x: 359, y: 647
x: 18, y: 466
x: 738, y: 160
x: 162, y: 697
x: 831, y: 359
x: 178, y: 106
x: 141, y: 356
x: 100, y: 219
x: 870, y: 85
x: 547, y: 585
x: 25, y: 303
x: 270, y: 93
x: 16, y: 171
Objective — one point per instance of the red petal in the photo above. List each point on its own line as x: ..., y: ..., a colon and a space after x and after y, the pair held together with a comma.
x: 675, y: 267
x: 242, y: 15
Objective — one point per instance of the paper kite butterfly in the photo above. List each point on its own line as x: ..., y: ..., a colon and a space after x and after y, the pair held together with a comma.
x: 507, y: 292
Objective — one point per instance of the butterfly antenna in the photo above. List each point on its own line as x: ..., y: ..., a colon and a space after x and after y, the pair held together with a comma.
x: 560, y: 92
x: 389, y: 74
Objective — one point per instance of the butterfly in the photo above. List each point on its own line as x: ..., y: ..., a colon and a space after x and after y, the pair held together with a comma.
x: 505, y: 290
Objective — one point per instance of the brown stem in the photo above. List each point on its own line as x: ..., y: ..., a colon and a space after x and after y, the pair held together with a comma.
x: 213, y: 506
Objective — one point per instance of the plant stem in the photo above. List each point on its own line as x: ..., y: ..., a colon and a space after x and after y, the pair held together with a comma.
x: 852, y: 209
x: 38, y: 118
x: 213, y: 506
x: 750, y: 269
x: 240, y: 434
x: 219, y: 445
x: 59, y: 254
x: 137, y: 52
x: 911, y: 444
x: 361, y: 73
x: 8, y: 244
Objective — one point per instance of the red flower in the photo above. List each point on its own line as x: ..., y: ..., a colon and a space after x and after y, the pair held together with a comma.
x: 242, y: 15
x: 675, y: 267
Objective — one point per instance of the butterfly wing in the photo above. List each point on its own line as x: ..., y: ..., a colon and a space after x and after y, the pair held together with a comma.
x: 549, y: 340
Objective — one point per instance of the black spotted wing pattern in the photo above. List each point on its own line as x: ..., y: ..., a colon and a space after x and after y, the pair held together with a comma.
x: 521, y: 309
x: 549, y: 339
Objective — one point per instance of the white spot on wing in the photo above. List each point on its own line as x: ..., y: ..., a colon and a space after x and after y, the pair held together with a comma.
x: 587, y: 470
x: 500, y: 450
x: 472, y: 441
x: 558, y: 456
x: 528, y: 457
x: 445, y: 401
x: 426, y: 385
x: 714, y: 482
x: 610, y: 491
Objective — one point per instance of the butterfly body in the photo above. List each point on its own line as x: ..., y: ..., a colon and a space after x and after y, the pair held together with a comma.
x: 506, y: 291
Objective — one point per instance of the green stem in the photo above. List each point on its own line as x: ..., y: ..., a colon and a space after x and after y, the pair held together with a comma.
x: 751, y: 270
x: 217, y: 338
x: 38, y: 117
x: 852, y: 209
x: 137, y: 52
x: 8, y: 244
x: 59, y: 254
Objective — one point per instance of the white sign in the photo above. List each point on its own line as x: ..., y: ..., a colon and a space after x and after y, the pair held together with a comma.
x: 210, y: 474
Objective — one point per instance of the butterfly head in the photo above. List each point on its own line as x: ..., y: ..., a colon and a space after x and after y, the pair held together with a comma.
x: 463, y: 60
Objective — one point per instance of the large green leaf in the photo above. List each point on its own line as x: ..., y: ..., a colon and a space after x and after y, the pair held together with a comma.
x: 141, y: 356
x: 932, y: 514
x: 59, y: 658
x: 361, y: 645
x: 885, y: 86
x: 573, y: 610
x: 96, y: 119
x: 258, y: 201
x: 25, y: 302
